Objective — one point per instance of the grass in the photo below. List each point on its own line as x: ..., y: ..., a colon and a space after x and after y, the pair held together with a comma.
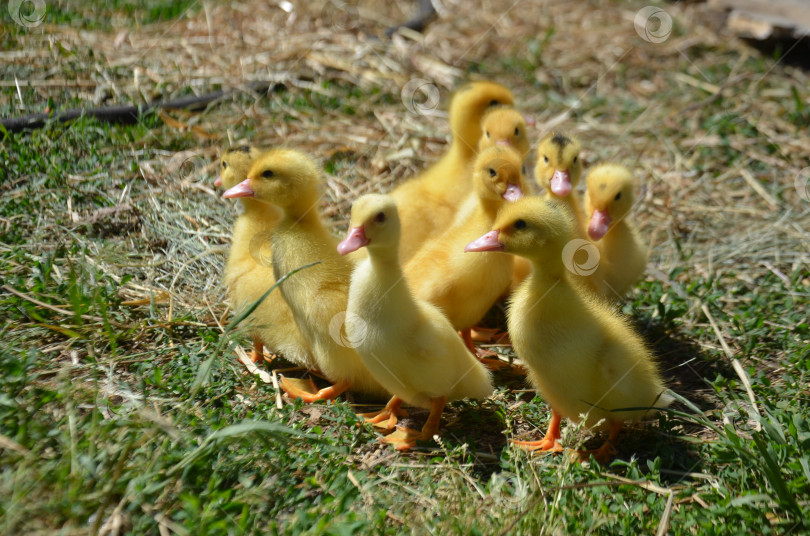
x: 123, y: 409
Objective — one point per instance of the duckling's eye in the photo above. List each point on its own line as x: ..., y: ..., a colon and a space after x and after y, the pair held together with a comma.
x: 492, y: 172
x: 545, y: 159
x: 523, y: 170
x: 575, y: 159
x: 520, y: 224
x: 487, y: 134
x: 618, y: 196
x: 224, y: 165
x: 494, y: 102
x: 268, y: 173
x: 517, y: 131
x: 380, y: 217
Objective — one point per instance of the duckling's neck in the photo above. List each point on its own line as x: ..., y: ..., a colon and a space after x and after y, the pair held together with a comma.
x: 260, y: 215
x: 462, y: 147
x: 490, y: 207
x: 385, y: 263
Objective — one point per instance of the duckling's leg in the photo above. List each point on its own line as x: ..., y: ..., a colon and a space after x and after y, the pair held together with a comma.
x: 257, y: 354
x: 606, y: 452
x: 327, y: 393
x: 485, y: 356
x: 549, y: 443
x: 387, y: 417
x: 482, y: 334
x: 406, y: 438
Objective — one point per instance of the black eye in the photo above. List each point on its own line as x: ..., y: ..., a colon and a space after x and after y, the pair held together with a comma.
x: 487, y: 134
x: 494, y: 102
x: 520, y: 224
x: 517, y: 131
x: 618, y: 196
x: 267, y: 173
x: 523, y: 170
x: 224, y: 165
x: 380, y: 218
x: 492, y: 172
x: 545, y: 159
x: 575, y: 159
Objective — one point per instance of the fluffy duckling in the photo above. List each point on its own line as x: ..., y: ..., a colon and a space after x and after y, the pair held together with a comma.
x: 430, y: 200
x: 318, y: 295
x: 559, y: 170
x: 504, y: 125
x: 585, y: 360
x: 465, y: 286
x: 623, y: 254
x: 249, y: 272
x: 408, y: 344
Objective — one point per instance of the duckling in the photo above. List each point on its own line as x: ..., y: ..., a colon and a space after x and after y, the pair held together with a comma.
x: 559, y: 170
x: 318, y: 295
x: 406, y: 343
x: 623, y: 254
x: 249, y: 273
x: 505, y: 126
x: 465, y: 286
x: 586, y: 360
x: 430, y: 200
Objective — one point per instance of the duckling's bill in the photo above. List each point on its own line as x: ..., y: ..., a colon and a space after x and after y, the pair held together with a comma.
x: 600, y: 223
x: 242, y: 189
x: 561, y: 183
x: 488, y: 242
x: 513, y: 192
x: 356, y: 240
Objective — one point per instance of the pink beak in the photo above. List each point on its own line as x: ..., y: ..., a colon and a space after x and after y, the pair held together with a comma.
x: 513, y: 192
x: 242, y: 189
x: 356, y: 240
x: 488, y: 242
x: 503, y: 142
x: 218, y: 182
x: 561, y: 183
x: 600, y: 224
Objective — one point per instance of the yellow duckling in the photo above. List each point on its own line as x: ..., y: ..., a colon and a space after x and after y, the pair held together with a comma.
x: 465, y: 286
x: 430, y: 200
x: 318, y: 295
x: 408, y: 344
x: 623, y: 254
x: 249, y: 271
x: 503, y: 125
x: 583, y: 357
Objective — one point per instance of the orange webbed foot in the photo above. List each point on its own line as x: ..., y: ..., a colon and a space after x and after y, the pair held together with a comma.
x: 546, y: 444
x: 306, y: 390
x: 607, y: 451
x: 490, y: 335
x: 404, y: 438
x: 387, y: 417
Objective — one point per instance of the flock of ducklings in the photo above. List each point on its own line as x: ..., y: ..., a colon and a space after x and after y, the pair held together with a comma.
x: 423, y: 265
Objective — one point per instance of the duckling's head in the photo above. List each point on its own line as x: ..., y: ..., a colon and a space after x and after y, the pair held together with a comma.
x: 558, y: 164
x: 282, y: 177
x: 468, y: 106
x: 503, y: 125
x: 235, y: 164
x: 498, y: 174
x: 374, y: 224
x: 531, y: 227
x: 610, y: 191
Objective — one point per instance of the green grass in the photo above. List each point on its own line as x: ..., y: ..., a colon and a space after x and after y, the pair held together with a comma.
x: 115, y: 410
